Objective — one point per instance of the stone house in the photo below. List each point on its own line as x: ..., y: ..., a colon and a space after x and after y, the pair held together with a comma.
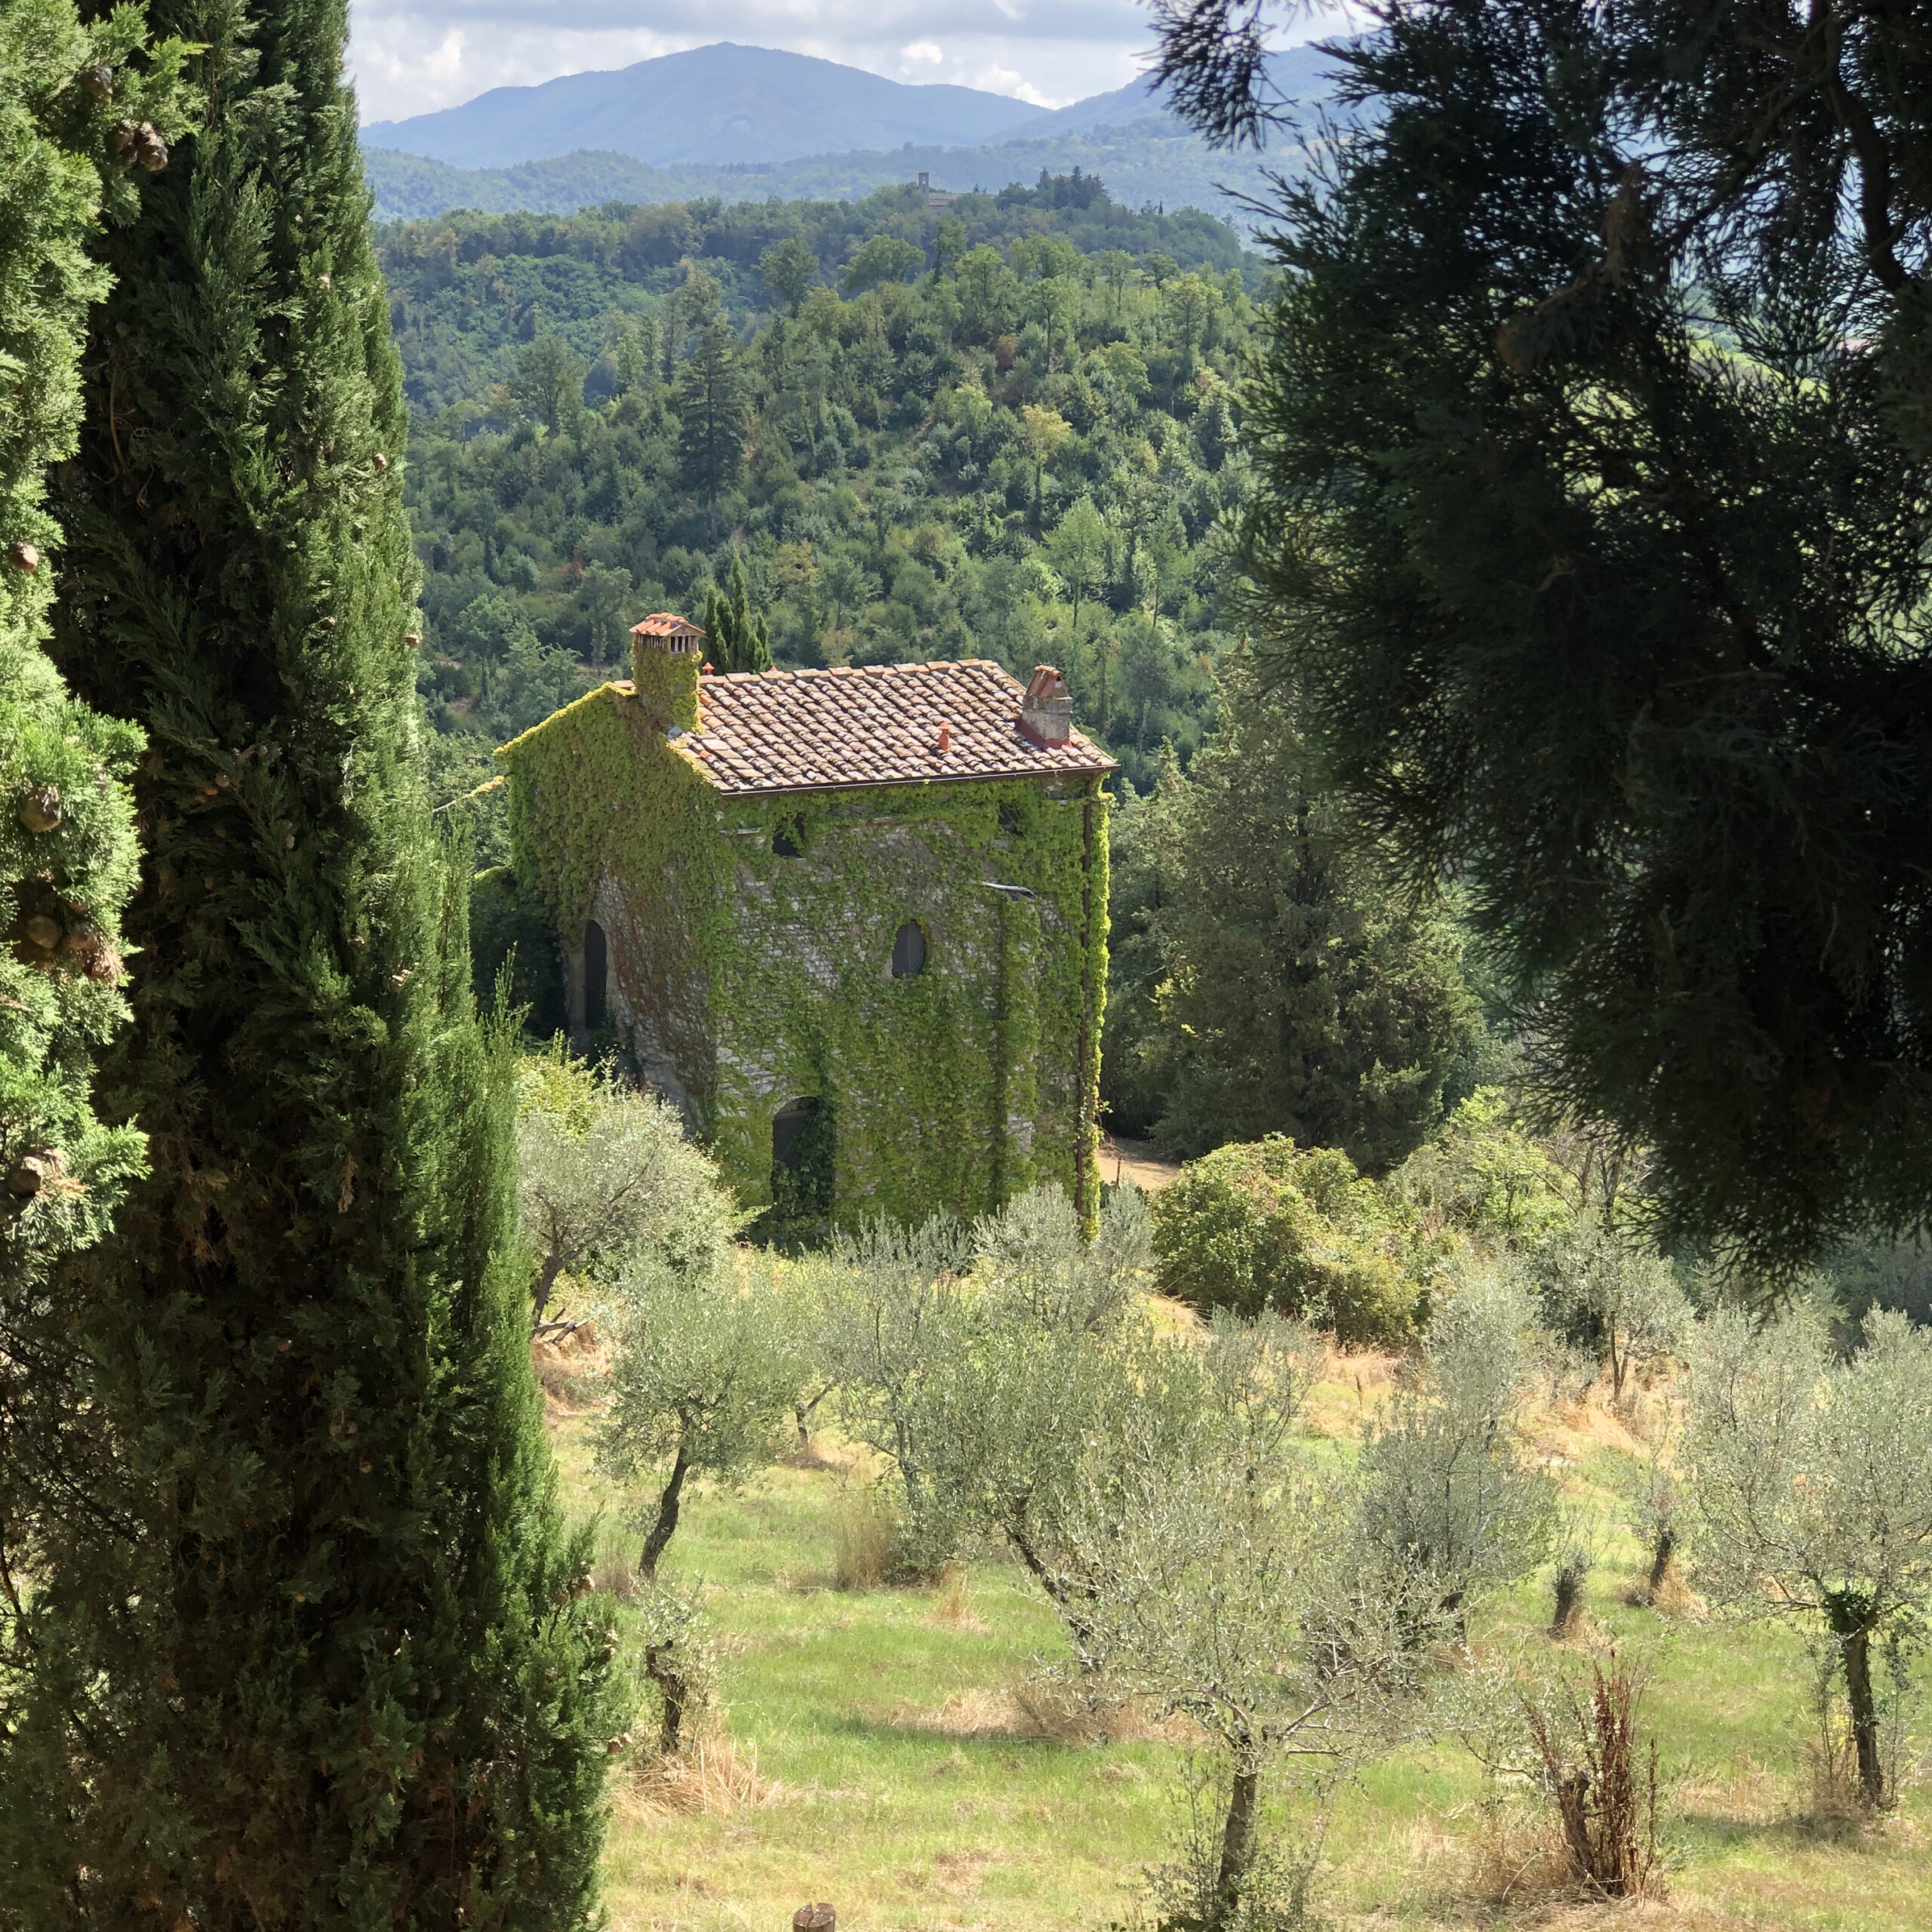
x: 853, y: 922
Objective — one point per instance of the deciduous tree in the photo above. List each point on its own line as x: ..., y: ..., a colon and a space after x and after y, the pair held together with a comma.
x: 788, y: 270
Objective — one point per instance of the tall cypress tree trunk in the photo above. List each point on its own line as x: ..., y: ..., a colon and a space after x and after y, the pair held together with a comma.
x: 330, y: 1668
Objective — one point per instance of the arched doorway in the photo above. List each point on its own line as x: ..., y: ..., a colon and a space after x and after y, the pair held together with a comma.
x: 596, y: 974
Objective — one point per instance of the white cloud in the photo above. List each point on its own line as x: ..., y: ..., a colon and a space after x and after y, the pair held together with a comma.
x: 924, y: 50
x: 1002, y: 80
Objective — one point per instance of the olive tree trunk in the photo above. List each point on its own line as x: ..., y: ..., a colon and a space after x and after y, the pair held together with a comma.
x: 669, y: 1501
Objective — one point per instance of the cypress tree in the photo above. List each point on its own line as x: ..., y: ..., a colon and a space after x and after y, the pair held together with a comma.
x: 332, y: 1663
x: 69, y: 92
x: 735, y: 637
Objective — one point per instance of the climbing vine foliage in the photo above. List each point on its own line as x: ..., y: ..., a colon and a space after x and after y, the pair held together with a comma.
x: 760, y: 931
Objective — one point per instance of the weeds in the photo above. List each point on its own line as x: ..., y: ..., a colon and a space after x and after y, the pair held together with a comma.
x: 867, y: 1541
x: 1605, y: 1803
x: 1187, y: 1892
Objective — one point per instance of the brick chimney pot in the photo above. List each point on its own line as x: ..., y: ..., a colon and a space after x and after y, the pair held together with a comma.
x: 1046, y: 711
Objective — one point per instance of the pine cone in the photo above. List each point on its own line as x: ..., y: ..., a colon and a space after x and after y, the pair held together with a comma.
x: 40, y: 808
x: 142, y: 144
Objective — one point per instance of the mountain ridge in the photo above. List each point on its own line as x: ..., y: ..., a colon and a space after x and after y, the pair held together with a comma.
x: 1146, y: 155
x: 726, y: 105
x: 730, y: 104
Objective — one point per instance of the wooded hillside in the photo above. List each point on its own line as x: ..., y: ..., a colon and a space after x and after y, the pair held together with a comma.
x: 1005, y: 427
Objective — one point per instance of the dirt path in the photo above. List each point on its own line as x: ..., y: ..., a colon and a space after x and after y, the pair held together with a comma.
x: 1137, y: 1161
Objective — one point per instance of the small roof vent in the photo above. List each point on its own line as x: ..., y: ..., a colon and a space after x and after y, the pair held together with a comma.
x: 1046, y: 711
x: 662, y: 631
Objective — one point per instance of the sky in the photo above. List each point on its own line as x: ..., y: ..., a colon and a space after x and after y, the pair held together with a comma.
x: 411, y: 56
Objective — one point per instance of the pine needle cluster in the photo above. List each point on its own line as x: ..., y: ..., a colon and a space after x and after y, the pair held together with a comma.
x: 1590, y: 528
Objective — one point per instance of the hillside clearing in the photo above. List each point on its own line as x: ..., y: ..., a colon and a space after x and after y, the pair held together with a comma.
x: 886, y: 1749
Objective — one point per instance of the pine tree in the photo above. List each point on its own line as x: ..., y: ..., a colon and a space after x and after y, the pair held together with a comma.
x: 711, y: 407
x: 1591, y: 521
x: 1282, y: 989
x: 330, y: 1661
x: 69, y: 92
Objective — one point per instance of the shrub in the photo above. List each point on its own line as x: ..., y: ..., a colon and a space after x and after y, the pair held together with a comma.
x: 1267, y: 1225
x: 1485, y: 1178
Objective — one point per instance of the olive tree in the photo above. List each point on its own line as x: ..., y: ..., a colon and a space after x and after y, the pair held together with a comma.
x: 1036, y: 1262
x: 1241, y: 1604
x: 1608, y: 1292
x: 1811, y: 1492
x: 1034, y: 1433
x: 603, y: 1171
x: 980, y: 1361
x: 1450, y: 1502
x: 705, y: 1372
x: 895, y: 1302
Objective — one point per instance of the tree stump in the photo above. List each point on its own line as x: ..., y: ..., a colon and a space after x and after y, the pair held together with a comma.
x: 819, y: 1918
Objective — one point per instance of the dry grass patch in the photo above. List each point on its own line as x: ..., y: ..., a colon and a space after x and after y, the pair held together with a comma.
x: 865, y: 1541
x: 1516, y: 1856
x: 715, y: 1777
x: 1351, y: 1385
x: 981, y: 1712
x: 568, y: 1366
x: 952, y: 1603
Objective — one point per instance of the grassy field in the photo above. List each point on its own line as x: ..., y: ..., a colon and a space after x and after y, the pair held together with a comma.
x: 882, y: 1749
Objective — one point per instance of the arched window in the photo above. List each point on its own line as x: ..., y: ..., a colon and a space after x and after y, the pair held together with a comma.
x: 908, y: 950
x: 596, y: 974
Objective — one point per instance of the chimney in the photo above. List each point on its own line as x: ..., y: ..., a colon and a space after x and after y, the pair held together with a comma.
x: 1046, y: 712
x: 666, y: 652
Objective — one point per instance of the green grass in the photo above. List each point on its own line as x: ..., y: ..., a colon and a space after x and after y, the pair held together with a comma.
x: 862, y: 1719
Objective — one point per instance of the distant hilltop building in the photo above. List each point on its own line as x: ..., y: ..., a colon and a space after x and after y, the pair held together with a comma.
x: 853, y: 922
x: 936, y: 198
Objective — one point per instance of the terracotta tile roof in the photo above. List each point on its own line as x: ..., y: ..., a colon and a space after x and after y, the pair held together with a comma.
x: 814, y: 731
x: 666, y: 623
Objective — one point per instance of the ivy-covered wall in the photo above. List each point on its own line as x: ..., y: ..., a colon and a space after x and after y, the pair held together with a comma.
x: 749, y: 945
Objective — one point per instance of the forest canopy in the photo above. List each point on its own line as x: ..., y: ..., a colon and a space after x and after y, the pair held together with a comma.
x: 1004, y: 427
